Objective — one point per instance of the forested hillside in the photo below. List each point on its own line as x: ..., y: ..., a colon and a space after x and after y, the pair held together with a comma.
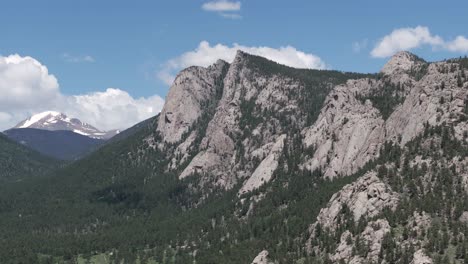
x: 18, y: 162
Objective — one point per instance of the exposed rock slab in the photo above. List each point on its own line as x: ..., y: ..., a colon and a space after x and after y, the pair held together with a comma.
x: 192, y: 89
x: 346, y: 135
x: 262, y: 258
x: 420, y: 257
x: 367, y: 197
x: 265, y: 170
x: 372, y: 235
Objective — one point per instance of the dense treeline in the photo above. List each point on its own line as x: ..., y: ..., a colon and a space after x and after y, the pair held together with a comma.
x: 18, y: 162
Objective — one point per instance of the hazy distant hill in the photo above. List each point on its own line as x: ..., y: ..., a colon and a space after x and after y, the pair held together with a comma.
x: 59, y: 144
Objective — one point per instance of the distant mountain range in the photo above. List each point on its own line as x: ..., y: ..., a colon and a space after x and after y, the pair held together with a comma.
x: 56, y: 135
x: 53, y: 121
x: 60, y: 144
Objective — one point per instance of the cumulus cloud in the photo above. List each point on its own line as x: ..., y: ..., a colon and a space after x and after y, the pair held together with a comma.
x: 410, y: 38
x: 206, y: 54
x: 224, y: 8
x: 26, y: 88
x: 113, y: 108
x: 25, y: 83
x: 221, y: 6
x: 459, y: 44
x: 76, y: 59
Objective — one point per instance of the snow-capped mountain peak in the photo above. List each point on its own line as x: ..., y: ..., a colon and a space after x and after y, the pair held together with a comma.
x: 52, y: 120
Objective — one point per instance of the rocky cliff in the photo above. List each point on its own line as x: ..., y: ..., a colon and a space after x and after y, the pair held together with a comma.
x: 245, y: 125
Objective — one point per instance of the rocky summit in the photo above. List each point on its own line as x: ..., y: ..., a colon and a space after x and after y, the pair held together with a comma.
x: 256, y: 162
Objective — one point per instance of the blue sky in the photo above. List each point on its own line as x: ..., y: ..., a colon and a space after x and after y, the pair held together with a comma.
x: 90, y: 46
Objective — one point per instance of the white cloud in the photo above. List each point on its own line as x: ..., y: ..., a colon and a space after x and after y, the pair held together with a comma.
x: 410, y: 38
x: 76, y: 59
x: 405, y: 39
x: 112, y: 109
x: 459, y: 44
x: 206, y: 54
x: 224, y: 8
x: 25, y: 83
x: 221, y: 6
x: 27, y: 88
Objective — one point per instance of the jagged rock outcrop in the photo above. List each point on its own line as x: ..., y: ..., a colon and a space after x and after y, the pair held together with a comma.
x: 192, y: 89
x: 435, y: 99
x: 262, y: 258
x: 227, y: 154
x: 217, y: 147
x: 464, y: 217
x: 402, y: 62
x: 347, y: 133
x: 259, y: 121
x: 367, y: 197
x: 265, y: 170
x: 420, y: 257
x: 241, y: 141
x: 372, y: 236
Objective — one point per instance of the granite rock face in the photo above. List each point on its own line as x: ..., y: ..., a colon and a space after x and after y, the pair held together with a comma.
x: 367, y: 197
x: 226, y: 153
x: 401, y: 62
x: 347, y: 133
x: 265, y: 170
x: 251, y: 116
x: 350, y: 132
x: 372, y: 235
x: 262, y: 258
x: 434, y: 99
x: 420, y: 257
x: 193, y: 88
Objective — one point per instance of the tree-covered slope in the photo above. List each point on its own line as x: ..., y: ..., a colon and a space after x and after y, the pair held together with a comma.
x: 18, y: 162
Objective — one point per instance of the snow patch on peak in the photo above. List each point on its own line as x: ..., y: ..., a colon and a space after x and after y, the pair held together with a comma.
x: 83, y: 133
x: 38, y: 117
x: 52, y: 120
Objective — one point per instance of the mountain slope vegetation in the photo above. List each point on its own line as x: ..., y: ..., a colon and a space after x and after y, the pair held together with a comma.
x: 18, y: 162
x: 260, y: 156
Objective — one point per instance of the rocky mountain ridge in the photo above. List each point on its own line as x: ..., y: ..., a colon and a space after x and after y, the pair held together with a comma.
x: 227, y: 151
x: 253, y: 161
x: 357, y: 120
x: 349, y: 132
